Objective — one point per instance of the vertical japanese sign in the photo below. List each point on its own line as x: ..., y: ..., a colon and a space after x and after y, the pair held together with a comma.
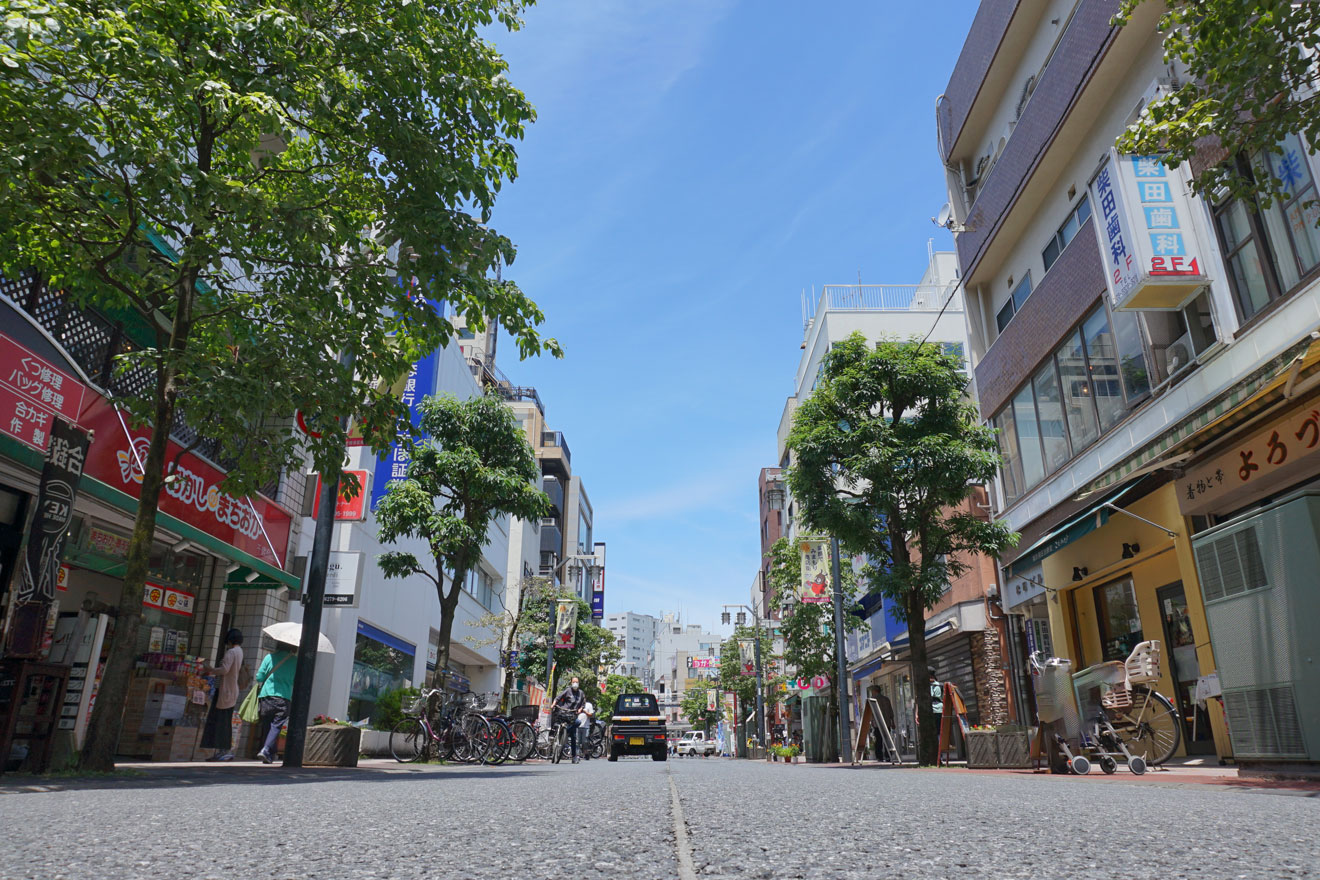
x: 598, y: 594
x: 747, y: 656
x: 392, y: 467
x: 50, y: 527
x: 815, y: 586
x: 32, y: 393
x: 1153, y: 257
x: 566, y: 612
x: 711, y: 698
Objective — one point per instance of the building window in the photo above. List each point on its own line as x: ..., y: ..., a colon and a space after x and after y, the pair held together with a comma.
x: 1120, y: 621
x: 1015, y: 301
x: 482, y: 588
x: 1076, y: 217
x: 1269, y: 250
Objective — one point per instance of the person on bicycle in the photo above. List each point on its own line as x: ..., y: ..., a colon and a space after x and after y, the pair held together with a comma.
x: 565, y: 711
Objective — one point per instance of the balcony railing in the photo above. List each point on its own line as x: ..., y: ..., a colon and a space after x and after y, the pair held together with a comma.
x: 556, y: 439
x: 884, y: 298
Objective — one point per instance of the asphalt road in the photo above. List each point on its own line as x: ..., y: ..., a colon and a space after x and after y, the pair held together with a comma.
x: 602, y: 820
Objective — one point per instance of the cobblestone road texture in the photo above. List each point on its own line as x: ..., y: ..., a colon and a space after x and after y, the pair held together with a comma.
x: 601, y: 820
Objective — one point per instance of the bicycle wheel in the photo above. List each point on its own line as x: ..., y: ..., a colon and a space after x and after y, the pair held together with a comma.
x: 479, y: 738
x: 524, y: 736
x: 1149, y: 727
x: 558, y: 744
x: 501, y: 742
x: 544, y: 745
x: 409, y: 741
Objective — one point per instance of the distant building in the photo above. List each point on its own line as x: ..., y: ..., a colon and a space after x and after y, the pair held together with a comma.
x: 637, y: 636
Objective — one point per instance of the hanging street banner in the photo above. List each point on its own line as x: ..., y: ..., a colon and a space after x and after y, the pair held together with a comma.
x: 566, y: 612
x: 40, y: 572
x: 815, y: 587
x: 747, y: 656
x: 711, y: 698
x: 598, y: 594
x: 392, y: 467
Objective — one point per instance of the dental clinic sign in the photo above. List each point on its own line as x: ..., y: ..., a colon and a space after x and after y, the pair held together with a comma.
x: 1152, y: 255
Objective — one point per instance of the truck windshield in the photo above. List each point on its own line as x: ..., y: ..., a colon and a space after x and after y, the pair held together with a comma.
x: 636, y: 704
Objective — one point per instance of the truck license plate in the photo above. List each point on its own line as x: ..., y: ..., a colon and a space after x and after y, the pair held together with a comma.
x: 636, y: 740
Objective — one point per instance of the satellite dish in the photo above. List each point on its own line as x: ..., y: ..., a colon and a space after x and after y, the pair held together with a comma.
x: 946, y: 214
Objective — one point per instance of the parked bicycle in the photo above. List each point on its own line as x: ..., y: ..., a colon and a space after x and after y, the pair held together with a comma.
x: 1110, y: 711
x: 449, y: 728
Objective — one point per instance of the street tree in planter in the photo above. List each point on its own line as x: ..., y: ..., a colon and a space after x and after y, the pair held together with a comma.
x: 1246, y: 73
x: 808, y: 628
x: 472, y: 464
x: 594, y: 646
x: 695, y: 711
x: 231, y: 181
x: 884, y: 452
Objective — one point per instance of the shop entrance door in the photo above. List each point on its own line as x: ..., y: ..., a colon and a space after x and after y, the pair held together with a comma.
x: 1180, y: 649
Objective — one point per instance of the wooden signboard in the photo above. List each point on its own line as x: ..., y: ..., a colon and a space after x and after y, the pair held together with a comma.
x: 872, y: 716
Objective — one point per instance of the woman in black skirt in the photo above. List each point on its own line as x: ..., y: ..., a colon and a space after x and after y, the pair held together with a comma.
x: 219, y: 730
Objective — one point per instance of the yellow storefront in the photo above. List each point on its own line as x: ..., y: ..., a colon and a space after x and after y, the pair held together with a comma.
x: 1126, y: 581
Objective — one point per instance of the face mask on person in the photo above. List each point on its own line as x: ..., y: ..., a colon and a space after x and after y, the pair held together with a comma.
x: 575, y: 685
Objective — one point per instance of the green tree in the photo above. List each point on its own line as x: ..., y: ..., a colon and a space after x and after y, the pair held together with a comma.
x: 235, y: 177
x: 615, y: 685
x: 884, y: 451
x: 594, y: 647
x: 695, y: 711
x: 808, y: 628
x: 474, y: 464
x: 1247, y: 68
x: 731, y: 676
x: 503, y: 627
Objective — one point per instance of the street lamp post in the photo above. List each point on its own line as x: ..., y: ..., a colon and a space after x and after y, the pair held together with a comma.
x: 841, y: 662
x: 760, y: 685
x: 554, y: 613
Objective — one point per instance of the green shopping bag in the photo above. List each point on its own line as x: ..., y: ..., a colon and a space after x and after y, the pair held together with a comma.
x: 249, y: 710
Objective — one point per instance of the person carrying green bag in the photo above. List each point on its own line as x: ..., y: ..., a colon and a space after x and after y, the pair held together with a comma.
x: 274, y: 690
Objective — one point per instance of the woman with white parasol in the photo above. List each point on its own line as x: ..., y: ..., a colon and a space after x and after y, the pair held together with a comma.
x: 275, y: 680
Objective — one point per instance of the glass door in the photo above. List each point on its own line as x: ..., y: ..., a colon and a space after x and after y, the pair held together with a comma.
x: 1180, y: 649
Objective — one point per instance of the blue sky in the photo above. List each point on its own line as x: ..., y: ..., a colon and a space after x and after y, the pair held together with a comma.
x: 695, y: 165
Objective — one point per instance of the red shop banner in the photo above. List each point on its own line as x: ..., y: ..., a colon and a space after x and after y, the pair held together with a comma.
x: 255, y: 525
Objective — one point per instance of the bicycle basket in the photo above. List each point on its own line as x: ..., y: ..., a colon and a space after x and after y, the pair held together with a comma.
x: 415, y: 706
x: 1117, y: 696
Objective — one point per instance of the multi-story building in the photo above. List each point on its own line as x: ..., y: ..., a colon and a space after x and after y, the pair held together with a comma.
x: 1147, y: 357
x: 637, y: 636
x: 963, y: 641
x: 685, y: 657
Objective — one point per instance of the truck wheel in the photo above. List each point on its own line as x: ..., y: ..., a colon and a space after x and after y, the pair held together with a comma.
x: 659, y: 755
x: 614, y: 754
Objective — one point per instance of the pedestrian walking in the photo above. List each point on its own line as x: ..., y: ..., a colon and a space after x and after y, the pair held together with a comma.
x: 218, y: 734
x: 275, y: 679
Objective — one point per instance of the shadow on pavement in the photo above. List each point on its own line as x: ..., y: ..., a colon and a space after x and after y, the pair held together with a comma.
x: 203, y: 775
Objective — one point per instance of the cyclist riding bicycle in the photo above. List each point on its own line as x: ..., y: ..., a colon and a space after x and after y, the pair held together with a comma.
x: 565, y: 711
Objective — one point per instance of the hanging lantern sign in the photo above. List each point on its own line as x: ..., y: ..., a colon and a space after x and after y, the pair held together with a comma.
x: 747, y: 656
x: 815, y: 586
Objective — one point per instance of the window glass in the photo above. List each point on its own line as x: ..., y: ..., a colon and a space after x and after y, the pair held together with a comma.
x: 1078, y: 403
x: 1010, y: 456
x: 1285, y: 261
x: 1049, y: 406
x: 1021, y: 292
x: 377, y: 669
x: 1005, y: 315
x: 1024, y: 413
x: 1120, y: 622
x: 1103, y: 360
x: 1083, y: 211
x: 1132, y: 354
x: 1252, y: 292
x: 1051, y: 253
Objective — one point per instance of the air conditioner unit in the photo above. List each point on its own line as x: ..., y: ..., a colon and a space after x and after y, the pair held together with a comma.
x: 1257, y: 576
x: 1178, y: 354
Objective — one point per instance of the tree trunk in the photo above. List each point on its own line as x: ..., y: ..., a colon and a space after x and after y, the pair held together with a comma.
x: 927, y: 723
x: 98, y: 753
x: 507, y: 677
x: 448, y: 607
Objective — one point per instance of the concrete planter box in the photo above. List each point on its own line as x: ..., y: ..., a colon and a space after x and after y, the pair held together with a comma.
x: 332, y: 745
x: 1014, y: 748
x: 375, y: 743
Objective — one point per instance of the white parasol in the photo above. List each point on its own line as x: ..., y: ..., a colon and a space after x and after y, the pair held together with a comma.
x: 290, y: 633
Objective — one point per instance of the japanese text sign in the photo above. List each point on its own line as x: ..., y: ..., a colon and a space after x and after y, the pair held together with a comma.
x: 32, y: 393
x: 350, y: 506
x: 815, y: 586
x: 392, y: 467
x: 1152, y: 256
x: 1264, y: 462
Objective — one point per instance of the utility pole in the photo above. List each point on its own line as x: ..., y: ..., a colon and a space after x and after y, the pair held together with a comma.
x: 841, y: 662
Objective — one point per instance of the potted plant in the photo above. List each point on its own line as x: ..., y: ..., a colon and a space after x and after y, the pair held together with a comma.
x: 982, y: 750
x: 331, y: 743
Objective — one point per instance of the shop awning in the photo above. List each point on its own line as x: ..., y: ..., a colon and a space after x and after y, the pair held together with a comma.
x: 1095, y: 516
x: 903, y: 641
x: 867, y: 668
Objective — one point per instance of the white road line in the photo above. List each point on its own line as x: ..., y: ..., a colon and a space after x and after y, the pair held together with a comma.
x: 686, y: 870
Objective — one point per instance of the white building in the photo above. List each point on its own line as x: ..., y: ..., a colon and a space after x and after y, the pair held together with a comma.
x: 386, y: 632
x: 680, y: 652
x: 637, y: 636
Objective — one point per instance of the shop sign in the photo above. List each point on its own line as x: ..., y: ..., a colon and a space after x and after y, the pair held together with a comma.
x: 805, y: 684
x: 169, y: 599
x: 107, y: 543
x: 1285, y: 450
x: 32, y: 393
x: 701, y: 662
x: 392, y: 467
x: 1023, y: 586
x: 1153, y: 257
x: 815, y: 586
x: 343, y: 578
x: 598, y: 594
x: 62, y: 582
x: 60, y: 476
x: 254, y: 525
x: 349, y: 506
